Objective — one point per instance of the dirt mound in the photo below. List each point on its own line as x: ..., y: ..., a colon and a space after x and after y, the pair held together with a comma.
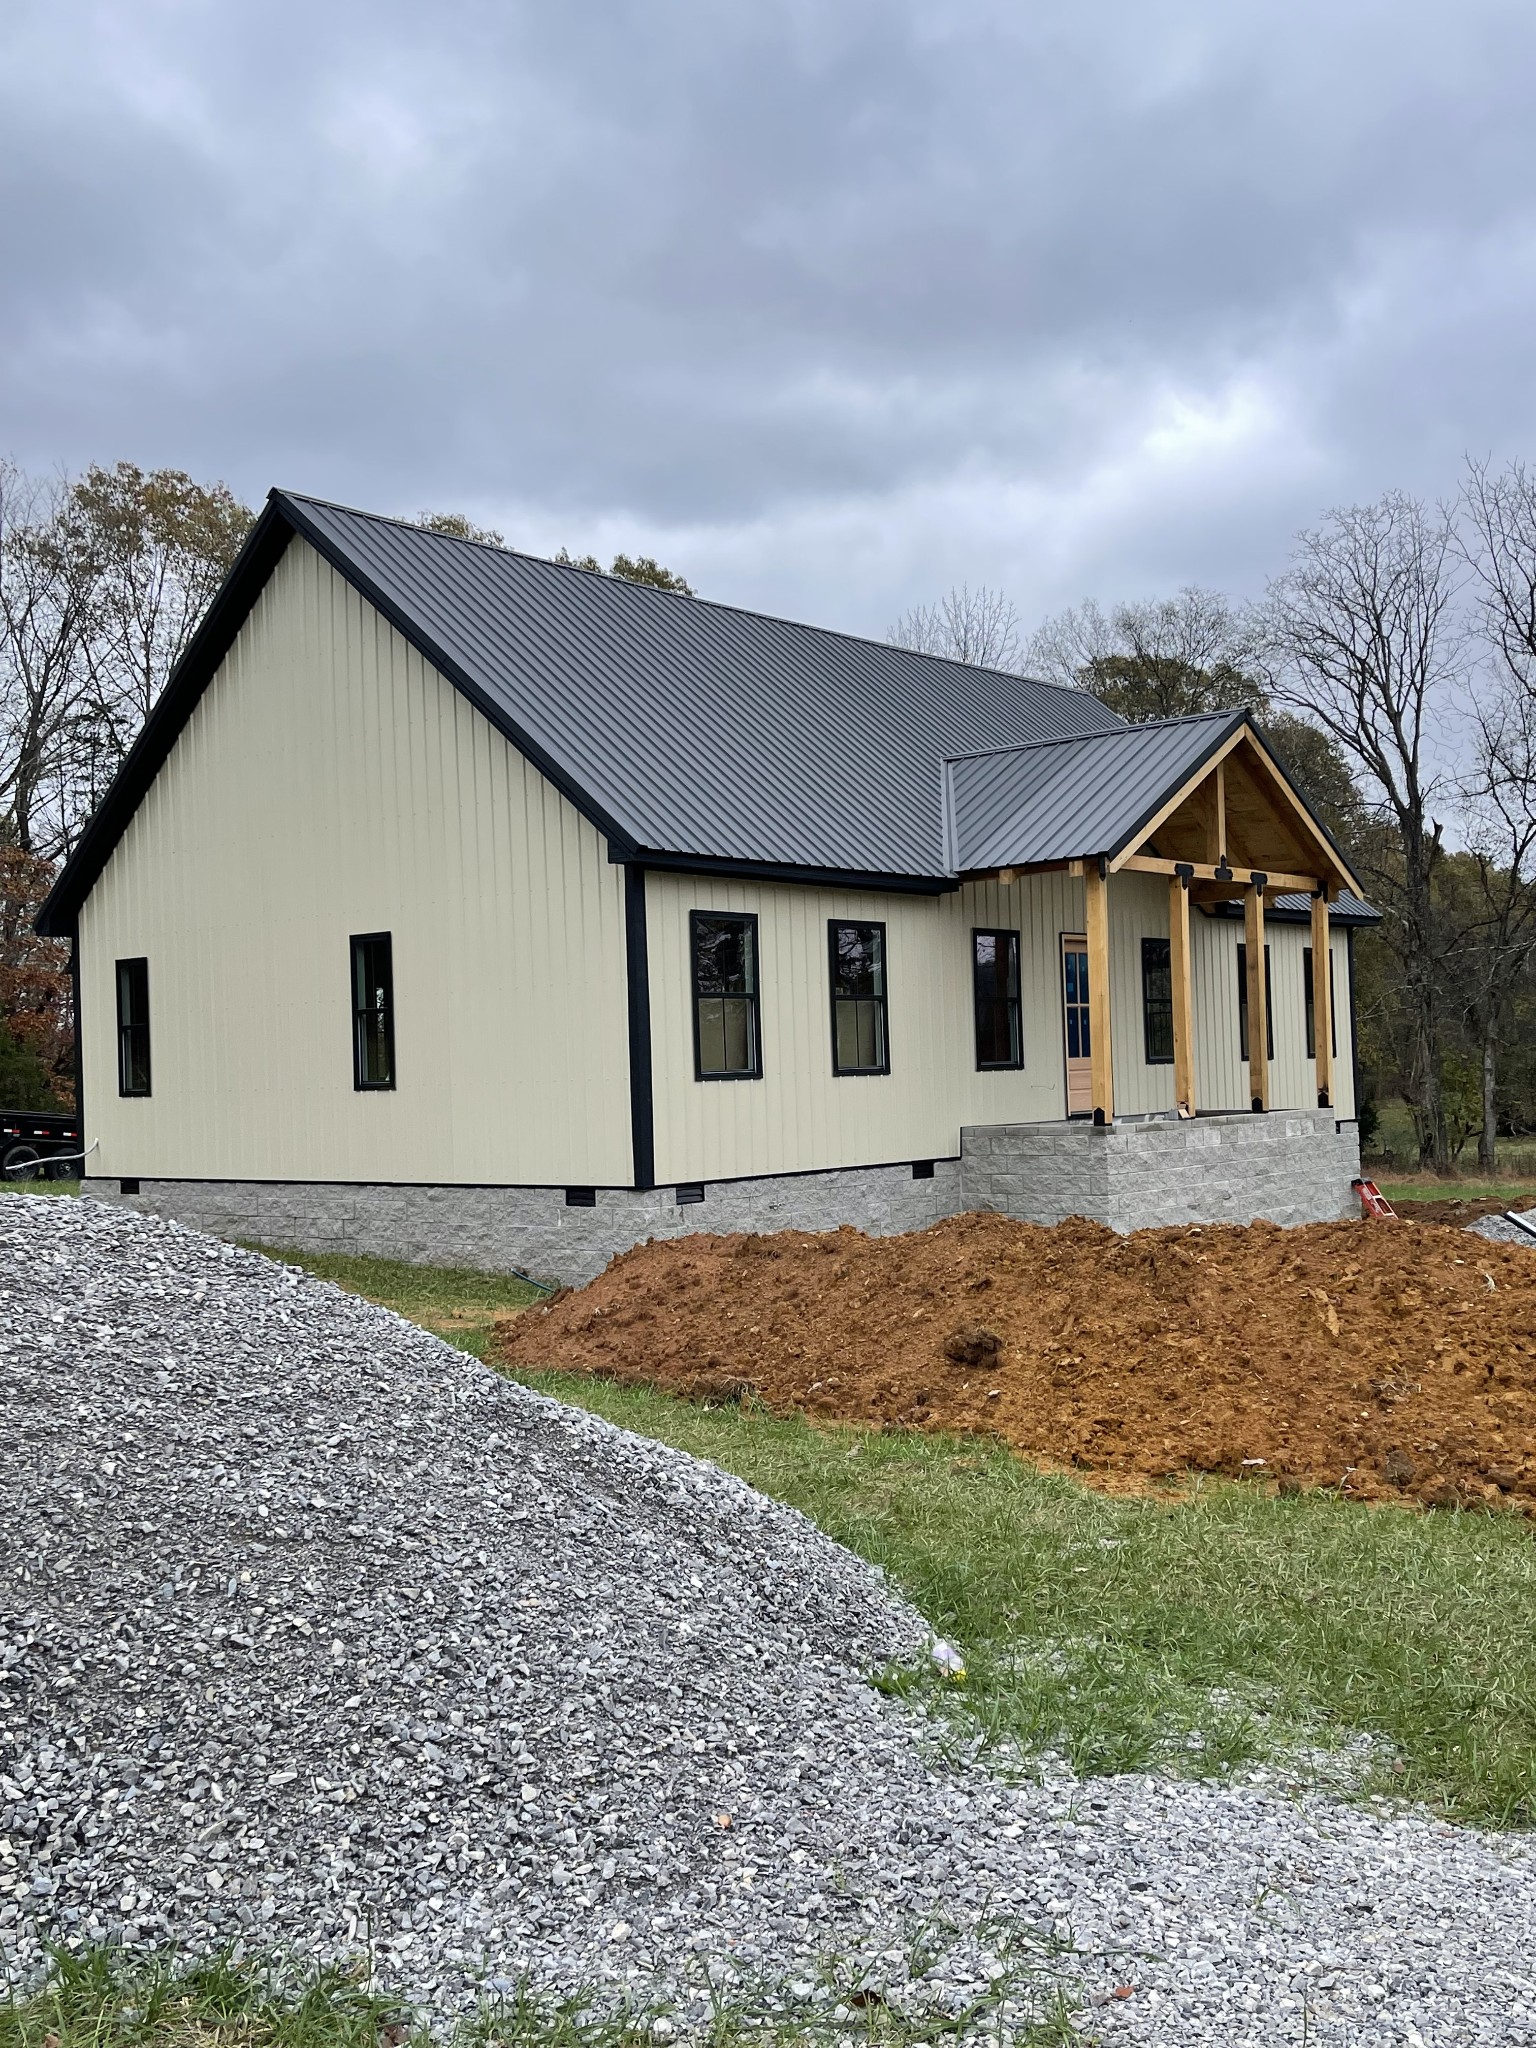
x: 1385, y: 1359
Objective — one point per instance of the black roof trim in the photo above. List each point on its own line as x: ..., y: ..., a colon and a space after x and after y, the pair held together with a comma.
x: 785, y: 871
x: 618, y: 840
x: 279, y: 520
x: 231, y: 607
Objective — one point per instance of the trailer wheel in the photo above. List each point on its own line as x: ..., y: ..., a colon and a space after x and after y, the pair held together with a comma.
x: 21, y: 1162
x: 61, y: 1169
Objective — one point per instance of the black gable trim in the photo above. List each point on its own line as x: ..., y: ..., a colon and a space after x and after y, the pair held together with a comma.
x: 231, y: 607
x: 279, y: 521
x: 621, y: 845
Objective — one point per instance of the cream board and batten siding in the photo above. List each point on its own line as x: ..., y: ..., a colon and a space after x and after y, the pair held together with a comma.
x: 801, y: 1117
x: 329, y: 782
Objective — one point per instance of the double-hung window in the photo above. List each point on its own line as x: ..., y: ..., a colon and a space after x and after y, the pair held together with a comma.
x: 1242, y: 1007
x: 727, y: 1045
x: 373, y: 1011
x: 133, y: 1027
x: 995, y: 975
x: 1157, y: 1002
x: 859, y: 1038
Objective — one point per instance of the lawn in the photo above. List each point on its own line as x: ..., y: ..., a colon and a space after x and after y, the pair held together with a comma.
x: 1200, y: 1631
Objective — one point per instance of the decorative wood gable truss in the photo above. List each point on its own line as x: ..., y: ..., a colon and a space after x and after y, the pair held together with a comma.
x: 1202, y: 802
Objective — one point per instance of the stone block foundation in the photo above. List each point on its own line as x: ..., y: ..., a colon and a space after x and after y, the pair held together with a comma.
x: 1292, y: 1166
x: 532, y: 1230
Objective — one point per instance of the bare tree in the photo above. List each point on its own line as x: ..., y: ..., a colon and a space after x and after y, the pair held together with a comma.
x: 979, y: 627
x: 1496, y: 941
x: 45, y: 627
x: 159, y: 547
x: 1362, y: 634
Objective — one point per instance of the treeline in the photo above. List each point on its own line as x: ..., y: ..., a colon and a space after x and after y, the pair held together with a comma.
x: 1393, y: 664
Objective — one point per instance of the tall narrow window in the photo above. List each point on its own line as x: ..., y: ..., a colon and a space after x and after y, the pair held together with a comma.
x: 726, y: 1042
x: 858, y: 999
x: 999, y: 1037
x: 1157, y: 1002
x: 373, y: 1012
x: 133, y: 1027
x: 1311, y: 994
x: 1242, y: 1006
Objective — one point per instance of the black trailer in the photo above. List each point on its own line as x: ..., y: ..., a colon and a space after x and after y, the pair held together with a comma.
x: 38, y: 1144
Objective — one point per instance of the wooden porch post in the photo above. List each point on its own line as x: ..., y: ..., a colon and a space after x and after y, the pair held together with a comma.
x: 1183, y: 995
x: 1322, y: 999
x: 1258, y: 1011
x: 1096, y: 895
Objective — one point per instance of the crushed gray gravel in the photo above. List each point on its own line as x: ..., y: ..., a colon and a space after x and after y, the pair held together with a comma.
x: 1502, y: 1231
x: 316, y: 1635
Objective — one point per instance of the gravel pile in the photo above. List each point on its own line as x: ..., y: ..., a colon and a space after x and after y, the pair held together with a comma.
x: 1502, y: 1231
x: 315, y: 1634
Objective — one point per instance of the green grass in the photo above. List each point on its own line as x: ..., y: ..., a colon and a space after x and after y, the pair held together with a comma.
x: 38, y: 1187
x: 1513, y: 1194
x: 101, y: 1999
x: 455, y: 1302
x: 1196, y: 1632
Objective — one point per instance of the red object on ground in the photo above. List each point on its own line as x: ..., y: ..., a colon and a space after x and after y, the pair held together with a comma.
x: 1372, y: 1200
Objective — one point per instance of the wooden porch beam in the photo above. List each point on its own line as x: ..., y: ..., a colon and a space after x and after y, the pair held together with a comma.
x: 1258, y: 1011
x: 1207, y: 871
x: 1101, y: 1074
x: 1322, y: 1002
x: 1183, y: 996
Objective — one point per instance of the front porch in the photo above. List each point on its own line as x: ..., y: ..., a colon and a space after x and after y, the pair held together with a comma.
x: 1198, y: 807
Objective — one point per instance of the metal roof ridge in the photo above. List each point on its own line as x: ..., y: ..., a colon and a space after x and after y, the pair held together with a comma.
x: 715, y: 603
x: 1117, y: 732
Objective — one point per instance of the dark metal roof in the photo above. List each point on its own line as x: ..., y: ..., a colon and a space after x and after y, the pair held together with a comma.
x: 691, y: 728
x: 1074, y: 798
x: 698, y: 736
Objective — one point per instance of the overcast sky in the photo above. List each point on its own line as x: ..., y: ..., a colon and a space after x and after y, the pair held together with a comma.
x: 828, y: 303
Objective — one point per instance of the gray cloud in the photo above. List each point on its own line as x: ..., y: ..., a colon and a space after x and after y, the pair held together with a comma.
x: 828, y: 305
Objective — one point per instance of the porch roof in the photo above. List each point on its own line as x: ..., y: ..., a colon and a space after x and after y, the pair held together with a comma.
x: 1068, y: 799
x: 1101, y: 795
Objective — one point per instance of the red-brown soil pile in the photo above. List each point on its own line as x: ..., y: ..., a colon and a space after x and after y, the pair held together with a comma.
x: 1389, y: 1359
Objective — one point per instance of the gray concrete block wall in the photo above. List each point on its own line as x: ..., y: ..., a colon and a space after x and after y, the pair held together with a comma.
x: 531, y: 1230
x: 1292, y: 1166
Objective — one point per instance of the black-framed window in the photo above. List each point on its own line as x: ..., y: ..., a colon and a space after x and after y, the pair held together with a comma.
x: 1242, y: 1006
x: 995, y: 971
x: 860, y: 1043
x: 1310, y: 987
x: 373, y: 1011
x: 133, y: 1027
x: 727, y: 1041
x: 1157, y: 1002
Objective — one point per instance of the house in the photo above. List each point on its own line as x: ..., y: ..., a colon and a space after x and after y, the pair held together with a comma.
x: 463, y: 906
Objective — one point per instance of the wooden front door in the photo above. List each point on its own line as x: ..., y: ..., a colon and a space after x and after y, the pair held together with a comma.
x: 1074, y: 995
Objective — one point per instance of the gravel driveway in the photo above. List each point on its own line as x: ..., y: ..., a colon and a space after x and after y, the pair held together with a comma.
x: 316, y: 1634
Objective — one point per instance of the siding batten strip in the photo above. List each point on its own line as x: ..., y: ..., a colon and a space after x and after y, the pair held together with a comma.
x: 642, y: 1113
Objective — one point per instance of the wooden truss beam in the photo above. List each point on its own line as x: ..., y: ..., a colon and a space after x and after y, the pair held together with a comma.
x: 1211, y: 871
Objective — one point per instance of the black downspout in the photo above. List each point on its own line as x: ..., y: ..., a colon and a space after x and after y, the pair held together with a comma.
x: 642, y: 1109
x: 1354, y: 1024
x: 74, y: 997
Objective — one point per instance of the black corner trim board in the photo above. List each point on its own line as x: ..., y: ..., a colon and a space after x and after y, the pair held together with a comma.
x: 637, y: 965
